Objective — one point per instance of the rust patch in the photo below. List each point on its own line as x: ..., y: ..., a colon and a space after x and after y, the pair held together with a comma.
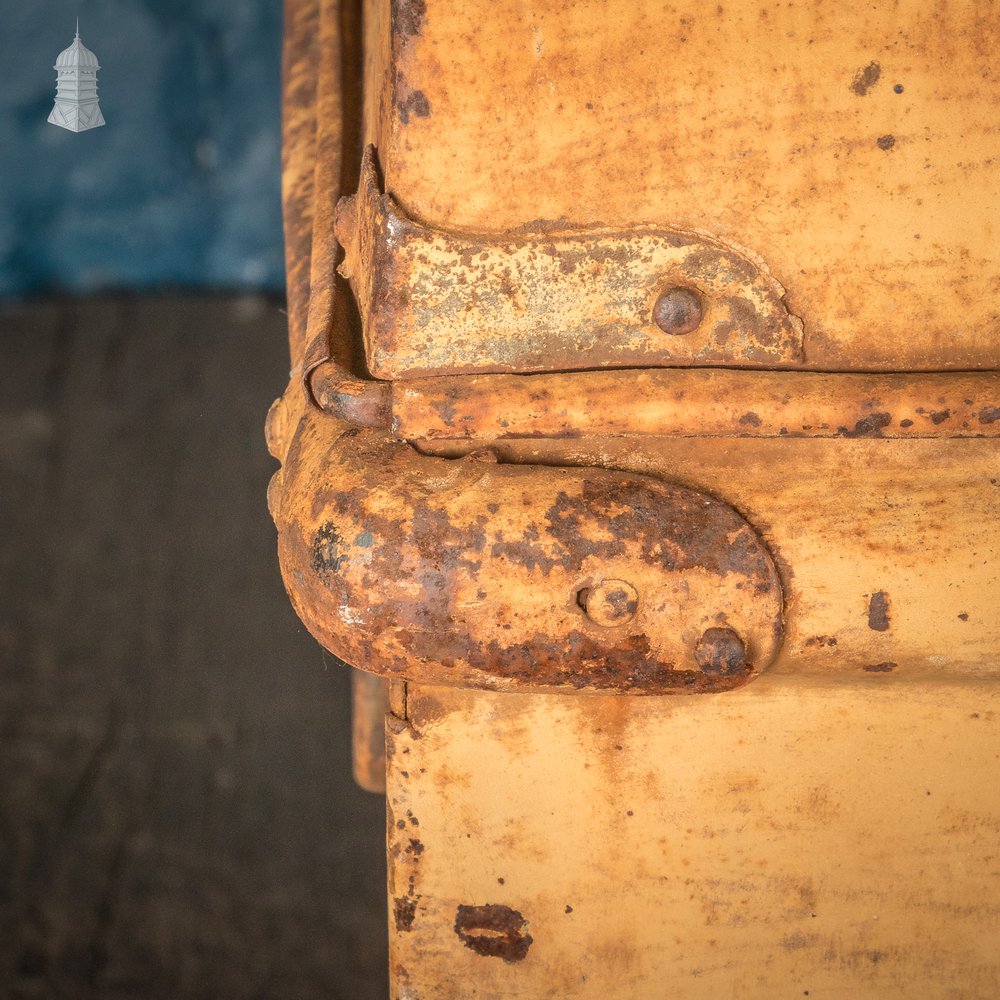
x: 415, y: 104
x: 426, y: 588
x: 685, y: 403
x: 866, y: 78
x: 878, y: 612
x: 870, y: 426
x: 630, y: 665
x: 820, y: 641
x: 408, y: 17
x: 881, y: 668
x: 527, y: 552
x: 327, y: 556
x: 404, y: 909
x: 886, y: 142
x: 686, y: 540
x: 964, y: 616
x: 989, y: 414
x: 584, y: 297
x: 493, y: 931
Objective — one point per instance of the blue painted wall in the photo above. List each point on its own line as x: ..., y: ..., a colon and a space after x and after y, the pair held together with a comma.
x: 181, y: 187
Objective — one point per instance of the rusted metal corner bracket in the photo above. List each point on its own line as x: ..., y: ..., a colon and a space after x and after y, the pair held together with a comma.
x: 552, y: 298
x: 520, y: 577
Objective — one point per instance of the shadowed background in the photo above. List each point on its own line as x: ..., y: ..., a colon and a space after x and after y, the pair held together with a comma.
x: 182, y: 186
x: 177, y: 816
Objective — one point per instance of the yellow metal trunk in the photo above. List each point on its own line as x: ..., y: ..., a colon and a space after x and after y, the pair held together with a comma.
x: 739, y: 264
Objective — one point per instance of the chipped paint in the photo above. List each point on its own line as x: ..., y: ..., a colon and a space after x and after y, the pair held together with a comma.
x: 584, y: 579
x: 552, y: 297
x: 697, y: 403
x: 494, y: 931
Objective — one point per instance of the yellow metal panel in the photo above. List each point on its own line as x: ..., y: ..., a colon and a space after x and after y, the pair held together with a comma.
x: 855, y: 147
x: 793, y: 838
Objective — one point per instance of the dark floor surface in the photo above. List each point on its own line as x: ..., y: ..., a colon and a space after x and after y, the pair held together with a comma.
x: 177, y: 816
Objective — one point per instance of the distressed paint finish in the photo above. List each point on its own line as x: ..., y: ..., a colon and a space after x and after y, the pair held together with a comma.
x: 488, y: 575
x: 550, y: 297
x: 791, y: 838
x: 845, y: 519
x: 830, y: 828
x: 875, y: 205
x: 697, y: 403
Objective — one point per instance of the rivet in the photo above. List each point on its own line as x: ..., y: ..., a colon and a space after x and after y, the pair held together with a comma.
x: 609, y: 604
x: 721, y: 652
x: 677, y: 311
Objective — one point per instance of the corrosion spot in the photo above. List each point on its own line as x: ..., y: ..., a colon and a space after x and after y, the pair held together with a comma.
x: 878, y: 612
x: 408, y: 16
x: 989, y: 414
x: 609, y: 604
x: 898, y: 89
x: 750, y: 419
x: 720, y: 651
x: 419, y: 105
x: 820, y: 640
x: 416, y: 104
x: 940, y: 416
x: 886, y: 141
x: 870, y: 426
x: 964, y: 616
x: 881, y: 668
x: 866, y: 78
x: 906, y: 423
x: 494, y: 931
x: 404, y: 909
x: 326, y: 555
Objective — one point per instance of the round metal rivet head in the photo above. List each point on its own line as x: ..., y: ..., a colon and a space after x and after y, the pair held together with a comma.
x: 611, y: 603
x: 721, y: 652
x: 677, y: 311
